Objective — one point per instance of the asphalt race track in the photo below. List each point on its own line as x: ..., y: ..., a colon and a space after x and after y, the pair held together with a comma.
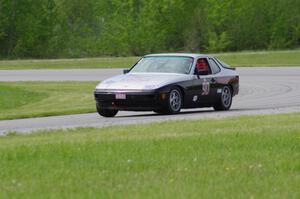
x: 262, y: 91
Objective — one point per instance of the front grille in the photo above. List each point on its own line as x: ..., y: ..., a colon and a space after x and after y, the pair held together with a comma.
x: 139, y: 101
x: 129, y: 97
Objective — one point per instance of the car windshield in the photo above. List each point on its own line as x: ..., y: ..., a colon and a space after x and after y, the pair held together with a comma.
x: 164, y: 64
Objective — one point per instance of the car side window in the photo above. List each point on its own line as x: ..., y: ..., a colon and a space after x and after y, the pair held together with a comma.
x: 203, y: 67
x: 214, y: 66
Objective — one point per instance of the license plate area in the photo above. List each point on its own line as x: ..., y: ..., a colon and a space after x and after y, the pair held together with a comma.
x: 120, y: 96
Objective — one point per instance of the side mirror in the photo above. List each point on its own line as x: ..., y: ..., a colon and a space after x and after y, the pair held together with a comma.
x: 125, y: 71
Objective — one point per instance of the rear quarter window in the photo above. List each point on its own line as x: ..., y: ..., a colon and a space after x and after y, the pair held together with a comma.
x: 214, y: 66
x: 223, y: 64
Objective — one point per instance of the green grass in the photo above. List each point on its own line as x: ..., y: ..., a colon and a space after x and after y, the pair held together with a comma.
x: 106, y: 62
x: 35, y: 99
x: 237, y: 59
x: 247, y: 157
x: 262, y: 58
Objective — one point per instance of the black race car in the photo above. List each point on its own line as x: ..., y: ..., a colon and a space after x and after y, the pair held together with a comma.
x: 166, y: 83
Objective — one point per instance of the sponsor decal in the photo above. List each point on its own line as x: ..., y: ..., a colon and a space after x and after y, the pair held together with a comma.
x: 195, y: 98
x: 120, y: 96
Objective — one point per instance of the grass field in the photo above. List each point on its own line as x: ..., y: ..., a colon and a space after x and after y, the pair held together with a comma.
x: 33, y: 99
x: 239, y: 59
x: 263, y: 58
x: 108, y: 62
x: 246, y: 157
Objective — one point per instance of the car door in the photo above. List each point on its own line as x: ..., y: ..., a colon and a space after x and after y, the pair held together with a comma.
x: 205, y: 86
x: 214, y: 86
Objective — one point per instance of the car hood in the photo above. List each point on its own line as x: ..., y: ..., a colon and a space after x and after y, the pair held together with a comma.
x: 141, y: 81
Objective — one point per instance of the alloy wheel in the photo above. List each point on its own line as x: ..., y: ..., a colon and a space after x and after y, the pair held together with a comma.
x: 226, y: 97
x: 175, y: 100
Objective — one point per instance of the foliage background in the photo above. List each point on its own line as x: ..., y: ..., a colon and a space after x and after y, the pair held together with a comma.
x: 87, y: 28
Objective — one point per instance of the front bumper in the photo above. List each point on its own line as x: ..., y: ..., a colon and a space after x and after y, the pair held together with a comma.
x: 135, y: 100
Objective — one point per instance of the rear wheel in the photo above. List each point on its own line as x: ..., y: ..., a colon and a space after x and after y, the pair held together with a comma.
x: 106, y: 112
x: 225, y: 100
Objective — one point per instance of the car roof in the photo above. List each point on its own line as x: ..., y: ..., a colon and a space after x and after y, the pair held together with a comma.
x: 193, y: 55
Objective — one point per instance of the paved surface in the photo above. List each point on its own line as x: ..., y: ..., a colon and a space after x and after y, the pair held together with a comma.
x: 262, y: 91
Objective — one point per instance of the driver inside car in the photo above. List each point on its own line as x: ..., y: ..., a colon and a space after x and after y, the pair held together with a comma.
x: 202, y: 66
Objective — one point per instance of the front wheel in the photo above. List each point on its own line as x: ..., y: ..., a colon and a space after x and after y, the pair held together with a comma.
x: 106, y: 112
x: 174, y: 101
x: 225, y: 100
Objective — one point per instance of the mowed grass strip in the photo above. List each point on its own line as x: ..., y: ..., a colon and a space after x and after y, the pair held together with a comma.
x: 37, y: 99
x: 262, y: 58
x: 247, y: 157
x: 105, y: 62
x: 236, y: 59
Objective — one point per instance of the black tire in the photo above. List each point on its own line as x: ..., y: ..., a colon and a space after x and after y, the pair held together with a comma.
x: 225, y: 99
x: 106, y: 112
x: 174, y: 101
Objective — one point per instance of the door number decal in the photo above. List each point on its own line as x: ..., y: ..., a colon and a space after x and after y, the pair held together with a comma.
x: 205, y: 87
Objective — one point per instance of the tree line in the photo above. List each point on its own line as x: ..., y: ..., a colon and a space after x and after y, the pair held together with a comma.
x: 87, y: 28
